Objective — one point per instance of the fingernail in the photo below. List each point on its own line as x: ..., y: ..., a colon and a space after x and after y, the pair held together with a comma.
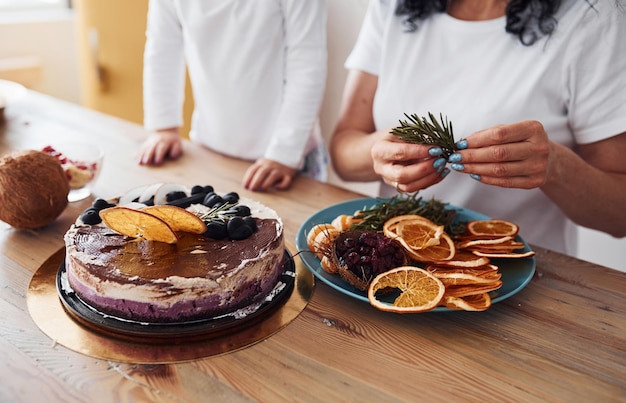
x: 439, y: 162
x: 475, y: 176
x: 435, y: 151
x: 456, y: 157
x: 461, y: 144
x: 445, y: 172
x: 458, y: 167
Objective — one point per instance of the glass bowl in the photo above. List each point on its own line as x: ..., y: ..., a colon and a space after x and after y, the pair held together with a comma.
x: 81, y: 163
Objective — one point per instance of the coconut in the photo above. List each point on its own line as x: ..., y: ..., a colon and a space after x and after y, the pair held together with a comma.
x: 33, y: 189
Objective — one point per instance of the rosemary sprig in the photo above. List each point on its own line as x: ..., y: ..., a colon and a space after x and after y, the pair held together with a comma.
x: 220, y: 213
x: 374, y: 218
x: 420, y: 130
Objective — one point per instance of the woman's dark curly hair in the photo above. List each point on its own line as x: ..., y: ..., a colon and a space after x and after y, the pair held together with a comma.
x: 529, y: 20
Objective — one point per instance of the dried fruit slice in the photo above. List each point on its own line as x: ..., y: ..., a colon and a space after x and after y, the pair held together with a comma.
x: 420, y: 291
x: 473, y: 289
x: 418, y: 234
x: 511, y: 255
x: 323, y: 242
x: 179, y: 219
x: 312, y: 234
x: 492, y: 228
x: 479, y: 302
x: 320, y: 239
x: 328, y: 265
x: 137, y: 224
x: 343, y: 222
x: 466, y: 259
x: 456, y: 278
x: 391, y: 226
x: 443, y: 251
x: 486, y: 242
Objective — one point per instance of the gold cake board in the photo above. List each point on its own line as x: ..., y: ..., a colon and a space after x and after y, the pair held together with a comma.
x: 48, y: 313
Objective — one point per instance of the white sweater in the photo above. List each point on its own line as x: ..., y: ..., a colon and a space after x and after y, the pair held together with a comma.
x: 257, y: 68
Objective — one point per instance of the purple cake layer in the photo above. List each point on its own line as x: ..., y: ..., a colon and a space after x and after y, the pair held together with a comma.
x: 204, y: 307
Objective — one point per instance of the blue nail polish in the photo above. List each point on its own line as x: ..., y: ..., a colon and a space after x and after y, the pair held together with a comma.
x: 435, y: 151
x: 439, y: 162
x: 475, y: 177
x: 445, y: 172
x: 456, y: 157
x: 457, y: 167
x: 461, y: 144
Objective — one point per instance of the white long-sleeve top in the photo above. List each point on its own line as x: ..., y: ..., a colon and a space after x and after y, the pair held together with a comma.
x: 257, y: 68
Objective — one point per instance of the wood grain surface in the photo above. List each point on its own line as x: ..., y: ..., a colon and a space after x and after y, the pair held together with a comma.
x: 562, y: 338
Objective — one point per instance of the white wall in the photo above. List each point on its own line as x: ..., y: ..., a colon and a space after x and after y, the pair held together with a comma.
x: 53, y: 40
x: 50, y: 37
x: 344, y: 21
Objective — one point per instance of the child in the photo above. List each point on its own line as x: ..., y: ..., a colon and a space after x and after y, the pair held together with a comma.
x: 257, y: 71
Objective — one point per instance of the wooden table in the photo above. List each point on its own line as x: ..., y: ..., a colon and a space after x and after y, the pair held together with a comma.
x: 562, y: 338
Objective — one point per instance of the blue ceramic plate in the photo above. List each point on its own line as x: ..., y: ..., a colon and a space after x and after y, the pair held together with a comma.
x: 516, y: 273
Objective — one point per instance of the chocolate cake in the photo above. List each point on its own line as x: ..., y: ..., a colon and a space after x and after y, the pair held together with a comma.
x: 196, y: 278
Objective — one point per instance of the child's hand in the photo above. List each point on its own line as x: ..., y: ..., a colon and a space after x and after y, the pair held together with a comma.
x: 161, y: 144
x: 265, y: 174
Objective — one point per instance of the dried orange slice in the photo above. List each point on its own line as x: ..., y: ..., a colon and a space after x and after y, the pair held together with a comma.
x: 392, y: 225
x: 457, y: 278
x: 420, y: 291
x: 465, y: 259
x: 461, y: 291
x: 492, y: 228
x: 328, y: 265
x: 479, y: 302
x: 444, y: 250
x: 419, y: 234
x: 343, y: 222
x: 509, y: 255
x: 313, y: 232
x: 323, y: 242
x: 179, y: 219
x: 484, y: 242
x: 138, y: 224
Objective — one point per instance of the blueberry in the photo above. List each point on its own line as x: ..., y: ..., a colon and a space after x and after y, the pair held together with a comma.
x: 208, y: 189
x: 91, y: 216
x: 175, y: 195
x: 212, y: 200
x: 242, y: 211
x: 238, y: 229
x: 231, y: 197
x: 100, y: 204
x: 251, y: 222
x: 216, y: 230
x: 197, y: 189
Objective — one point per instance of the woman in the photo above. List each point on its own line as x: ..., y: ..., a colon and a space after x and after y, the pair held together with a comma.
x: 537, y: 90
x: 257, y: 70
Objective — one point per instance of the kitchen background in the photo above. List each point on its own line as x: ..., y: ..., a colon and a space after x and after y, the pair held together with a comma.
x: 91, y: 54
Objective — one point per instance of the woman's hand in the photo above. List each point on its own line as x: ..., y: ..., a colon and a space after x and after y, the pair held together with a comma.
x: 161, y: 145
x: 408, y: 167
x: 265, y: 174
x: 511, y: 156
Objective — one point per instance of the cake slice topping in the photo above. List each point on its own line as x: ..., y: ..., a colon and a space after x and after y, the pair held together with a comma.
x: 138, y: 224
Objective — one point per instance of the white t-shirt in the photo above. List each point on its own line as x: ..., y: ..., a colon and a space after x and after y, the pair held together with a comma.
x: 257, y: 68
x: 477, y: 76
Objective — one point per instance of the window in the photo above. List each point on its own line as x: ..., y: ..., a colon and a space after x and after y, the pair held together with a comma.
x: 26, y: 5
